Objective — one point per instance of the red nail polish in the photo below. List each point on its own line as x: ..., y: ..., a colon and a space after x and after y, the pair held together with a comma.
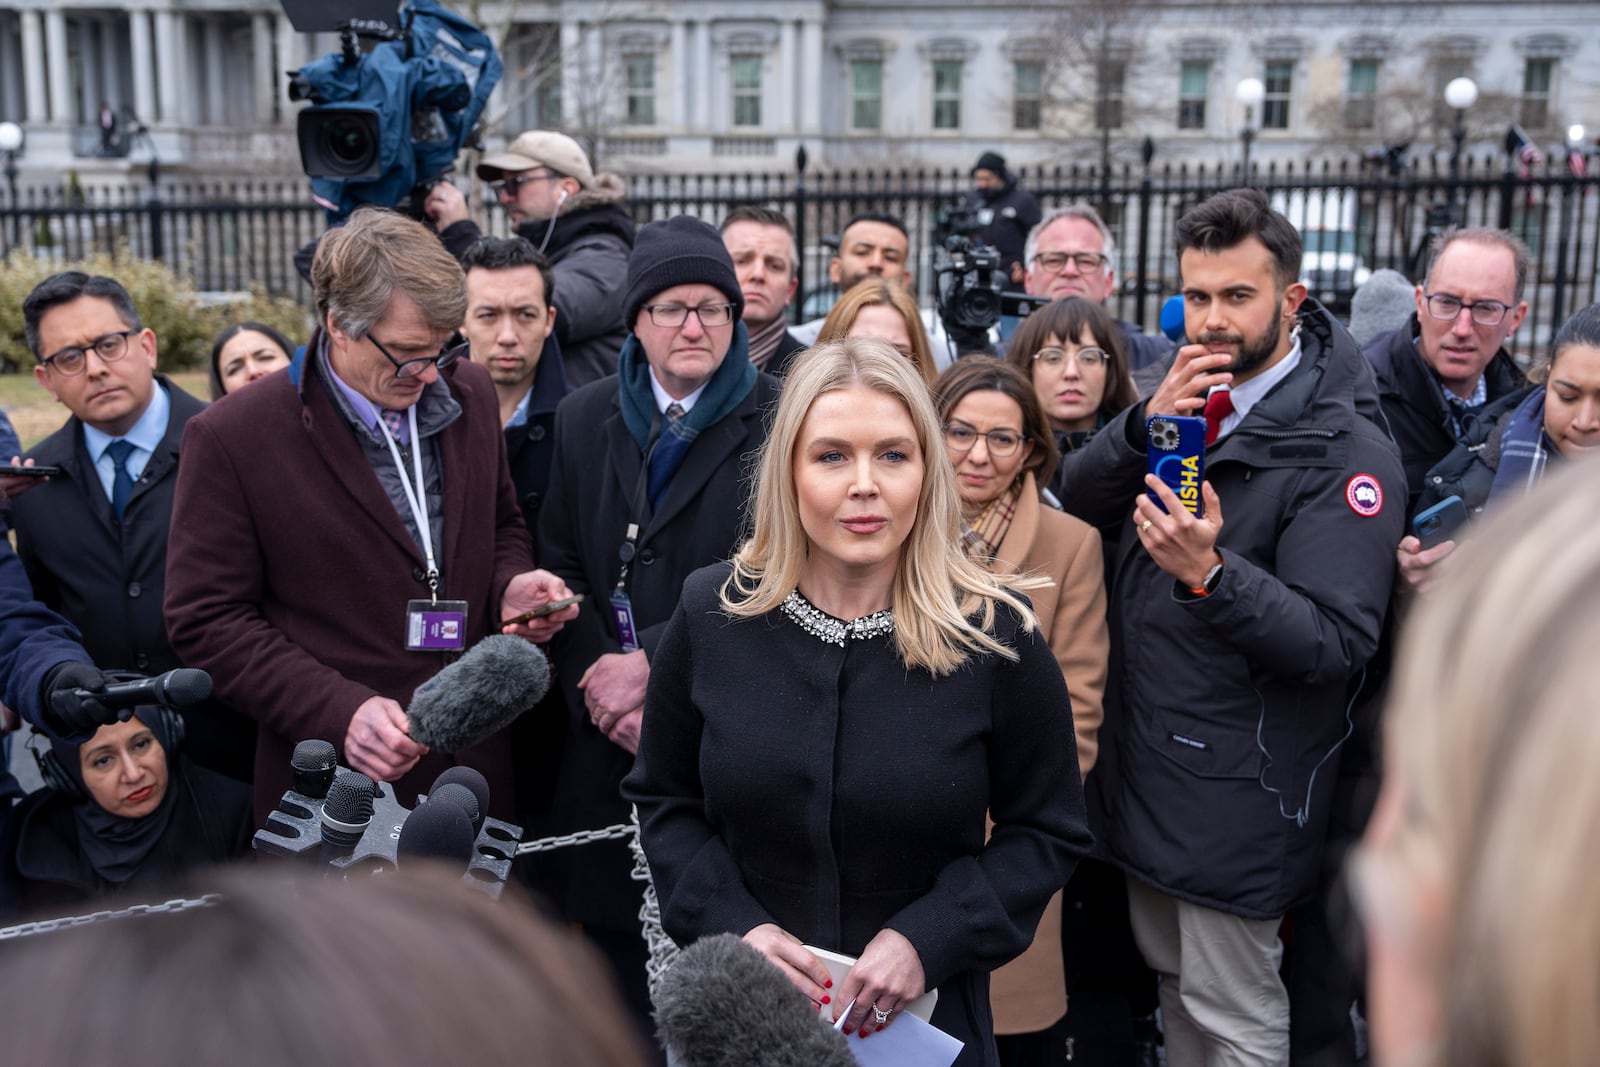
x: 826, y: 998
x: 881, y: 1025
x: 864, y: 1031
x: 828, y: 984
x: 848, y: 1031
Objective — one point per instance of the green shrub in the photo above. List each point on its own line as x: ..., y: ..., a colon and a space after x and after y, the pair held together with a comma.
x: 167, y: 302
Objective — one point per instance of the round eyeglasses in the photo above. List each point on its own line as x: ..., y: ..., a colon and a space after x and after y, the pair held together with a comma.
x: 71, y: 362
x: 1001, y: 443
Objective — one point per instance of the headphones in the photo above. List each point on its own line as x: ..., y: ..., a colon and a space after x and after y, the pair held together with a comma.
x: 56, y: 778
x: 561, y: 197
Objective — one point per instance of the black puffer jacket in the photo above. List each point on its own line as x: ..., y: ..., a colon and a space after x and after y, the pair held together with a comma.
x: 1468, y: 471
x: 1418, y: 417
x: 588, y: 250
x: 1227, y: 711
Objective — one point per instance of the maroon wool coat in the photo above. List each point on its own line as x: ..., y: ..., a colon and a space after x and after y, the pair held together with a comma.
x: 289, y: 569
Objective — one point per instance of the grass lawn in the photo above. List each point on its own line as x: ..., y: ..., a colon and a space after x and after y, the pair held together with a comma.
x: 35, y: 415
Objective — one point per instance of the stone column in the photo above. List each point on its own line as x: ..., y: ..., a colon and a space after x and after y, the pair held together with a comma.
x: 679, y: 115
x: 169, y: 64
x: 571, y: 70
x: 33, y: 66
x: 111, y: 61
x: 811, y: 63
x: 141, y: 49
x: 704, y: 74
x: 787, y: 82
x: 55, y: 43
x: 215, y: 107
x: 261, y: 57
x: 13, y: 91
x: 91, y: 90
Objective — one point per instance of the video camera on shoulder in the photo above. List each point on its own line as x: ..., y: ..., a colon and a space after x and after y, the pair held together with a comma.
x: 394, y: 106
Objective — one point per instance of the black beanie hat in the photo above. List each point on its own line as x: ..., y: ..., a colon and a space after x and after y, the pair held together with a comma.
x: 991, y: 161
x: 681, y: 250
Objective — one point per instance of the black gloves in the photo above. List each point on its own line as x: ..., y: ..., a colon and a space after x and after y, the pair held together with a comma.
x: 73, y: 714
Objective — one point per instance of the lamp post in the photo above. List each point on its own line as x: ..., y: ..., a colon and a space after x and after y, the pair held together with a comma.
x: 11, y: 143
x: 1460, y: 94
x: 1249, y: 92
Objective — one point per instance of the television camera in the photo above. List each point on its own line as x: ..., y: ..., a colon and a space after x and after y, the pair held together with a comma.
x: 972, y: 293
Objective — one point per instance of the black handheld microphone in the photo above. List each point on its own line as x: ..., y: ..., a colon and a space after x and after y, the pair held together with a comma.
x: 312, y: 765
x: 436, y: 830
x: 479, y: 694
x: 347, y: 812
x: 471, y: 779
x: 459, y: 795
x: 776, y: 1025
x: 174, y: 689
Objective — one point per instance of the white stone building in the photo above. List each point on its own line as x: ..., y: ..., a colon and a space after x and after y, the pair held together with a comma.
x: 736, y: 85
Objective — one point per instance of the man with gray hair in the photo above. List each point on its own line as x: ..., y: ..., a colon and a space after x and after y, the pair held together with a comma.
x: 340, y: 533
x: 1072, y: 253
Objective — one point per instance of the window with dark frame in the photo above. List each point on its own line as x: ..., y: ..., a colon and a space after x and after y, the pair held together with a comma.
x: 1279, y: 82
x: 1537, y: 78
x: 1194, y: 81
x: 866, y: 94
x: 746, y: 91
x: 947, y: 94
x: 1027, y: 102
x: 1361, y: 95
x: 641, y: 73
x: 1111, y: 76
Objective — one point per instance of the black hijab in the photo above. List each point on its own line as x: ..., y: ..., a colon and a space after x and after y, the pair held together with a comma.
x: 114, y: 846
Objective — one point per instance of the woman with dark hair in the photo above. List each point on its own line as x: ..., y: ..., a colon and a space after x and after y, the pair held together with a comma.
x: 999, y: 442
x: 1074, y: 353
x: 831, y: 716
x: 244, y: 352
x: 1518, y: 437
x: 124, y: 812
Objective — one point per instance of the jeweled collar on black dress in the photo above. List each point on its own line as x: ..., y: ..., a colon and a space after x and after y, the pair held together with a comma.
x: 824, y: 627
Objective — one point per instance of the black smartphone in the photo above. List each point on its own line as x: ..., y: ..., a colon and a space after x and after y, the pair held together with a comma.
x: 38, y: 471
x: 1177, y: 455
x: 543, y: 609
x: 1440, y: 523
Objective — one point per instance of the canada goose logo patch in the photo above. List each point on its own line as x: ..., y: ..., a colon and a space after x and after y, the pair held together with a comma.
x: 1365, y: 495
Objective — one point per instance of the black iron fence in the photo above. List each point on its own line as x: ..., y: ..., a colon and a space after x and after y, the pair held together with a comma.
x: 1357, y: 217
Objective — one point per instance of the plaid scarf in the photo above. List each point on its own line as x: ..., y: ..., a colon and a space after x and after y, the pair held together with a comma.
x: 984, y: 532
x: 1525, y: 451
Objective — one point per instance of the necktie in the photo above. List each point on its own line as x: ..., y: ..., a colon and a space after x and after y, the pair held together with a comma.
x: 675, y: 411
x: 121, y: 480
x: 1219, y: 405
x: 396, y: 421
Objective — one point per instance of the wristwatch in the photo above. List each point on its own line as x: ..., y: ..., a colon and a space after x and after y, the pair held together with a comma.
x: 1209, y: 584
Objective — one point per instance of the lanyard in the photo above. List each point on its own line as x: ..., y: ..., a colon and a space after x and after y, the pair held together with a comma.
x: 414, y: 496
x: 641, y: 500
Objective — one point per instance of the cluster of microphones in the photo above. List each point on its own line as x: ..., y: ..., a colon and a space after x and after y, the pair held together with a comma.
x: 351, y: 825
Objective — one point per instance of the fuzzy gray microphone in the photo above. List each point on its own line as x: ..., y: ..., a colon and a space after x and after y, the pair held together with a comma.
x: 479, y: 694
x: 723, y: 1004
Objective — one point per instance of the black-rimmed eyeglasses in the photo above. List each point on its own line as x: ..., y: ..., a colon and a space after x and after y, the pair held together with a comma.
x: 670, y: 315
x: 72, y: 361
x: 410, y: 368
x: 1001, y: 443
x: 1484, y: 312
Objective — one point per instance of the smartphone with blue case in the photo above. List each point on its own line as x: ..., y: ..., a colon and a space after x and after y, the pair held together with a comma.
x: 1177, y: 455
x: 1439, y: 523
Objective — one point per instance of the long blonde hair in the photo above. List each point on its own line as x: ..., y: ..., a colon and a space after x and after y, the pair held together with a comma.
x: 867, y: 293
x: 937, y: 590
x: 1494, y: 731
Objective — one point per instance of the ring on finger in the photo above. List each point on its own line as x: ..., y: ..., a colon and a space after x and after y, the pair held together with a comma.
x: 1146, y: 524
x: 881, y: 1015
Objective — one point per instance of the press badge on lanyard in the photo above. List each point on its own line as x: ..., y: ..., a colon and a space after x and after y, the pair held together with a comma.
x: 432, y: 625
x: 621, y: 605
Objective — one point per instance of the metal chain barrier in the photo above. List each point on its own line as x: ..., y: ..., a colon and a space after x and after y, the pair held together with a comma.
x: 614, y: 832
x: 50, y: 926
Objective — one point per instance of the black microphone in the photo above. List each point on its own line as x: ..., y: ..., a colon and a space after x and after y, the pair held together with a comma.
x: 479, y: 694
x: 436, y: 830
x: 776, y: 1025
x: 174, y: 689
x: 472, y: 779
x: 459, y: 795
x: 347, y: 812
x: 312, y: 765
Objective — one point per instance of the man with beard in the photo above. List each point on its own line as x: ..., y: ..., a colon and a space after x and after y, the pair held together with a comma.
x: 510, y: 329
x: 1239, y: 629
x: 577, y: 218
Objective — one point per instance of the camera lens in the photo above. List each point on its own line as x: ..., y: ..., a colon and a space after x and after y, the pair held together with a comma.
x: 347, y: 143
